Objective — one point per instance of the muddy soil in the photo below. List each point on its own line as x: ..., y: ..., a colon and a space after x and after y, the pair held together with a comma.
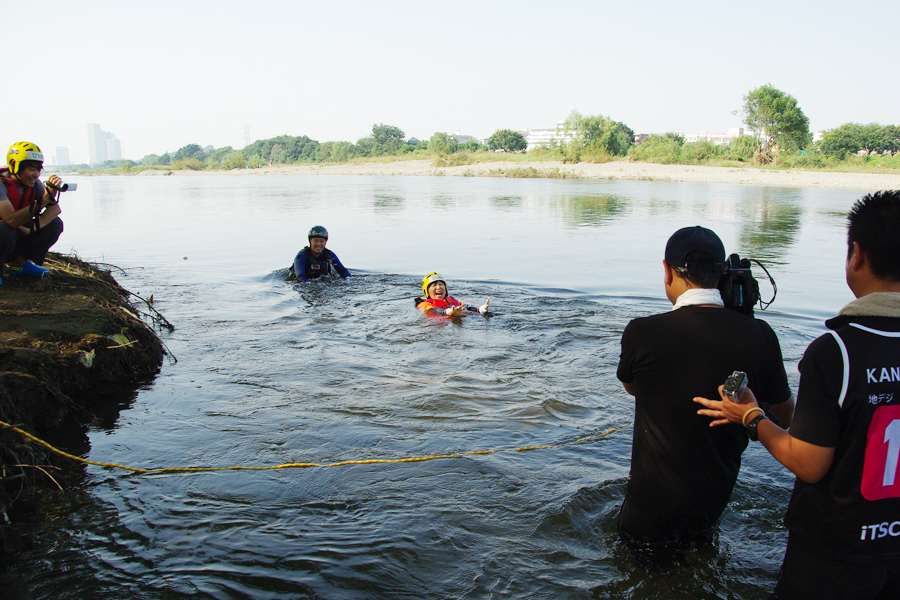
x: 63, y: 338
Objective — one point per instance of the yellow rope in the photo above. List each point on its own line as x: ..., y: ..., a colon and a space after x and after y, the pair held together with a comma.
x: 303, y: 465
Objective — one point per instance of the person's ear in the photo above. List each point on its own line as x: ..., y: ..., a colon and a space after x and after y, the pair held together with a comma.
x: 669, y: 274
x: 857, y: 258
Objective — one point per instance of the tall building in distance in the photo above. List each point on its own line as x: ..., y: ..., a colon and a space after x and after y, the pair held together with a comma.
x: 102, y: 145
x: 62, y: 156
x: 113, y: 148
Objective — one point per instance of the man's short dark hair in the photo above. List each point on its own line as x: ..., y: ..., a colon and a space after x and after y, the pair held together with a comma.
x: 874, y: 223
x: 702, y: 270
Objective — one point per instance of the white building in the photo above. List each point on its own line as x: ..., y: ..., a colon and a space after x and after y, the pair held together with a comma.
x: 62, y: 156
x: 102, y: 145
x: 718, y: 138
x: 556, y: 136
x: 113, y: 148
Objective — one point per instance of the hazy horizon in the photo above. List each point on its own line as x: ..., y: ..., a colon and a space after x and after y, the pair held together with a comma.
x: 165, y: 75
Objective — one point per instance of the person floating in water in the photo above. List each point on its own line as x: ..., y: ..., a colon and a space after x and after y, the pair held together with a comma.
x: 438, y: 302
x: 315, y: 261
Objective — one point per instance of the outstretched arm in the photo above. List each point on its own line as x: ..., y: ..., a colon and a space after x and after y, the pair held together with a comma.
x: 480, y: 309
x: 807, y: 461
x: 451, y: 311
x: 341, y: 269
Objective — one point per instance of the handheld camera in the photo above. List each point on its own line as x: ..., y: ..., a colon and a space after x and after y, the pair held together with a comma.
x: 735, y: 385
x: 55, y: 191
x: 65, y: 187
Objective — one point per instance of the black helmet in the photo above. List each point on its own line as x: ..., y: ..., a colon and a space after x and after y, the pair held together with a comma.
x: 318, y: 231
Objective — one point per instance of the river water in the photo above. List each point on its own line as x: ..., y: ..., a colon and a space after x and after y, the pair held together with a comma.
x: 270, y: 372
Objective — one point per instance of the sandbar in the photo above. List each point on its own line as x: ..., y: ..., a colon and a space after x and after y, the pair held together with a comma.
x: 617, y: 170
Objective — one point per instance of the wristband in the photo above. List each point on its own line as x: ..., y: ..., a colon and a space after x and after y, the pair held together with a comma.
x: 750, y: 410
x: 752, y: 431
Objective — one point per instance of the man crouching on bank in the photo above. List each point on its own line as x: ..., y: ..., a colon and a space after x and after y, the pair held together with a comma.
x: 683, y: 470
x: 29, y: 212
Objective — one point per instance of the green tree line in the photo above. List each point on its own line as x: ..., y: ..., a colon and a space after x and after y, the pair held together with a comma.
x: 385, y: 140
x: 852, y: 138
x: 779, y: 128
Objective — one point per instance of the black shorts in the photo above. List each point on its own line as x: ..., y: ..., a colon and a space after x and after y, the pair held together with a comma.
x: 807, y: 572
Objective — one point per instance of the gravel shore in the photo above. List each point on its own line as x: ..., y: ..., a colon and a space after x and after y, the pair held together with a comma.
x: 619, y: 170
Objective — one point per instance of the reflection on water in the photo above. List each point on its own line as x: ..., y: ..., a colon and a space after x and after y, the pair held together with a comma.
x: 594, y: 210
x: 510, y: 202
x: 272, y: 372
x: 388, y: 203
x: 771, y: 230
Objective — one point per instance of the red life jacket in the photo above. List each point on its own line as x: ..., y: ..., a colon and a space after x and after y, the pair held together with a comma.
x: 438, y: 303
x: 19, y: 201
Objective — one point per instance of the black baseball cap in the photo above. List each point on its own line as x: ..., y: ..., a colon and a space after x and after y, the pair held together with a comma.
x: 695, y: 239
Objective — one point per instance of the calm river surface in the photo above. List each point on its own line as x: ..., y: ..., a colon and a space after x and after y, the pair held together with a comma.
x: 270, y: 372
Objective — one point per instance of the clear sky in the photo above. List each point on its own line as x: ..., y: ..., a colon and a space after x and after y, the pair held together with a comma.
x: 164, y: 74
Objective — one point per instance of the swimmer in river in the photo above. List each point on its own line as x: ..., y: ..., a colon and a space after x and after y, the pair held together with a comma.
x: 438, y: 302
x: 315, y: 261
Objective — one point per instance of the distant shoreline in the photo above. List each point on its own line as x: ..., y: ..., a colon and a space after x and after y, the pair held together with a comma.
x: 617, y: 170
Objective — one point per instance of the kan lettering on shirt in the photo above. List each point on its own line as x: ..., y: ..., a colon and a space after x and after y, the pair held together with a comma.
x: 882, y: 375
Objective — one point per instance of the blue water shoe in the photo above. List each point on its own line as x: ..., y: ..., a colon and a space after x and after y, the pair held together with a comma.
x: 29, y: 268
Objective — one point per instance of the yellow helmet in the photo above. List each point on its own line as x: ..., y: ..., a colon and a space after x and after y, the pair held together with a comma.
x: 22, y: 151
x: 431, y: 278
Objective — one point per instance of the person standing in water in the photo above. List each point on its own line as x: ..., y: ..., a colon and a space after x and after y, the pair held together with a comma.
x: 315, y: 260
x: 682, y: 471
x: 438, y: 302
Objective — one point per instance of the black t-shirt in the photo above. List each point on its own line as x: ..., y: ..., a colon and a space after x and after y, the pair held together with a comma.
x: 679, y: 464
x: 849, y: 400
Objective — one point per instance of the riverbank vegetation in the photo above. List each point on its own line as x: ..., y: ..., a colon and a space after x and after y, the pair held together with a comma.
x: 781, y: 139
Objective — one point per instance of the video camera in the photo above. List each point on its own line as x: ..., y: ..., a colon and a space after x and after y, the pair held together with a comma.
x: 54, y: 190
x: 65, y: 187
x: 740, y: 290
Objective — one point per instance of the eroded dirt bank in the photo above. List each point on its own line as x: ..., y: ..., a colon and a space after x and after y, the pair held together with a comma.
x: 62, y: 338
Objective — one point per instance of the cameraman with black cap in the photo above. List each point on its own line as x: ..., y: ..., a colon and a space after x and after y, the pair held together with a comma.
x: 682, y: 470
x: 29, y: 212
